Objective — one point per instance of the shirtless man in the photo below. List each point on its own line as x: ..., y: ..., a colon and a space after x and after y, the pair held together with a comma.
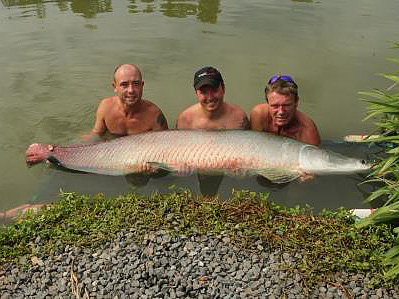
x: 127, y: 112
x: 211, y: 112
x: 279, y: 115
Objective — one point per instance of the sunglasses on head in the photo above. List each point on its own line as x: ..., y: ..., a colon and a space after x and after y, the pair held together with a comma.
x: 285, y: 78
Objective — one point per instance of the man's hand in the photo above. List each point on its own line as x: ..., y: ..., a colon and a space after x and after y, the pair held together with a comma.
x: 306, y: 177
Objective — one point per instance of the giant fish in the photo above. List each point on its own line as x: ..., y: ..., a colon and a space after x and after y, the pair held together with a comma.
x: 183, y: 152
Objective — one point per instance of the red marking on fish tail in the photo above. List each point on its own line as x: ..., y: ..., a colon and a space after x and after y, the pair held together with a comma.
x: 37, y: 153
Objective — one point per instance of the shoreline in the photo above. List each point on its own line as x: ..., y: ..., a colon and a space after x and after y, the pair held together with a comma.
x: 165, y: 266
x: 176, y: 245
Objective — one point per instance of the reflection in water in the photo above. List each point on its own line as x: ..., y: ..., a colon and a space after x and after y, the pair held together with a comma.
x: 39, y: 8
x: 178, y: 9
x: 208, y: 10
x: 89, y: 9
x: 205, y: 10
x: 134, y: 8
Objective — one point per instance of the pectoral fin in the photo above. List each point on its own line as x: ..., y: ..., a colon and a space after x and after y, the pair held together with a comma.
x: 174, y: 168
x: 60, y: 166
x: 157, y: 165
x: 279, y: 176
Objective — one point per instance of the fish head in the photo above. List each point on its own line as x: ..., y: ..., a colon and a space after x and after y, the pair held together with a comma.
x: 318, y: 161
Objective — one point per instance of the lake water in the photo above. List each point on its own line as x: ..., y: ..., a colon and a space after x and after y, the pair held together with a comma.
x: 57, y: 60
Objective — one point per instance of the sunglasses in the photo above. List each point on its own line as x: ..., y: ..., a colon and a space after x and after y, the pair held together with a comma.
x: 285, y: 78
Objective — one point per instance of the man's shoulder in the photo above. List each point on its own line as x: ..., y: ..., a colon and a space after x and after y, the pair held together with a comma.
x: 193, y: 109
x: 107, y: 105
x: 260, y: 112
x: 150, y: 107
x: 263, y: 107
x: 108, y: 101
x: 186, y: 117
x: 232, y: 108
x: 234, y: 111
x: 305, y: 120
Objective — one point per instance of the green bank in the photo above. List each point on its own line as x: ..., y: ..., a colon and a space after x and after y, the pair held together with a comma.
x: 328, y: 243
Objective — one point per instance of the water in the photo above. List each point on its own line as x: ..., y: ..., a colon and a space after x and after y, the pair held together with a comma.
x: 57, y: 60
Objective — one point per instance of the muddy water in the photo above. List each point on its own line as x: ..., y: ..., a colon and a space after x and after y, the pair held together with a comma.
x: 57, y: 59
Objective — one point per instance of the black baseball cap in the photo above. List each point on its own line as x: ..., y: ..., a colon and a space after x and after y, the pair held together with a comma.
x: 207, y: 76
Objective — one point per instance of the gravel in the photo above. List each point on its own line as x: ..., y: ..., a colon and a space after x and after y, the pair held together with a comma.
x: 164, y: 266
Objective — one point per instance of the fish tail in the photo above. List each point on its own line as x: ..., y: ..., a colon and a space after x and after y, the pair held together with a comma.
x: 38, y: 153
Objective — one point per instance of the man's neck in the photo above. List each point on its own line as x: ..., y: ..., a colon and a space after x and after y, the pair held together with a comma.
x: 130, y: 110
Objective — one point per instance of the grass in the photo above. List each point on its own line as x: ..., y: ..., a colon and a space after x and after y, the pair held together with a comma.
x: 328, y: 243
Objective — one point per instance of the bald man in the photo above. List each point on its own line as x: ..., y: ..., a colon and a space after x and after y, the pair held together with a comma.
x: 127, y: 112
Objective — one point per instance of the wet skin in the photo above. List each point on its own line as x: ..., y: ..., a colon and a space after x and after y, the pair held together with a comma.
x: 212, y: 112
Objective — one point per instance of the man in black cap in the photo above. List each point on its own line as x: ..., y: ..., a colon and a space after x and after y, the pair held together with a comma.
x: 211, y: 112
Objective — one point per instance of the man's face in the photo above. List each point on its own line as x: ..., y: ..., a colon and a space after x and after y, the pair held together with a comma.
x: 209, y: 97
x: 282, y: 108
x: 128, y: 85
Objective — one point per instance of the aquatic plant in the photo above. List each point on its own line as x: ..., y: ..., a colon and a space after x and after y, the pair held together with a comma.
x: 384, y: 107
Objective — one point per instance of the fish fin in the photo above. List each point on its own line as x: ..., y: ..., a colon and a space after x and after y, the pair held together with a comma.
x: 278, y: 176
x: 55, y: 161
x: 163, y: 166
x: 173, y: 168
x: 59, y: 165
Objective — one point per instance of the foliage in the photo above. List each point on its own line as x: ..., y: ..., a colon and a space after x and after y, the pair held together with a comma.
x: 384, y: 104
x: 249, y: 219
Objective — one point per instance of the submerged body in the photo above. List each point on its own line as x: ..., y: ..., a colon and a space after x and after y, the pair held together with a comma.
x: 182, y: 152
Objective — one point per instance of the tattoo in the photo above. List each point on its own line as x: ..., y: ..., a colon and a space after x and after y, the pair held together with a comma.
x: 245, y: 125
x: 161, y: 120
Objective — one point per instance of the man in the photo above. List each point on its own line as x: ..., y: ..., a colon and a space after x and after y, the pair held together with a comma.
x: 279, y: 115
x: 125, y: 113
x: 211, y: 112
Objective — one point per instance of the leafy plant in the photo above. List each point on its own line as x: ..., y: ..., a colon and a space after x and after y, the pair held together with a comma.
x: 384, y: 105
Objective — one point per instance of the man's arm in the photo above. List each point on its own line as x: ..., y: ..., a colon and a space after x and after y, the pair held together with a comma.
x: 161, y: 122
x: 182, y: 121
x: 99, y: 126
x: 310, y: 134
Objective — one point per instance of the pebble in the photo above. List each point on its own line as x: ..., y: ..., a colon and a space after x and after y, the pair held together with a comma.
x: 165, y: 266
